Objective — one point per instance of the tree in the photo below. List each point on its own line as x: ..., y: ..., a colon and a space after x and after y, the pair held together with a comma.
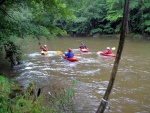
x: 34, y: 18
x: 139, y: 16
x: 103, y: 104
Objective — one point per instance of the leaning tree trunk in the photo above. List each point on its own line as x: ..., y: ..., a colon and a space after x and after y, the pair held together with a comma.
x: 104, y: 102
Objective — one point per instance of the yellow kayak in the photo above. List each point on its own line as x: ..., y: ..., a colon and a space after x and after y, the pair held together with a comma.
x: 44, y: 52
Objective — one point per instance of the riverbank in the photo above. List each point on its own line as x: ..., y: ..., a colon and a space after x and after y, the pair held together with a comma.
x: 98, y: 35
x: 48, y: 99
x: 130, y: 36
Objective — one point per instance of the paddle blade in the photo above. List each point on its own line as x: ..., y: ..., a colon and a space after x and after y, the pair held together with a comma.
x: 76, y: 54
x: 58, y: 52
x: 113, y: 48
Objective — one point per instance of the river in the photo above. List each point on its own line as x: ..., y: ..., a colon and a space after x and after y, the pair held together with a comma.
x: 92, y: 72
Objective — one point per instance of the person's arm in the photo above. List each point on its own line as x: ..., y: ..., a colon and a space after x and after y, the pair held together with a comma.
x: 66, y: 54
x: 110, y: 51
x: 46, y: 48
x: 81, y: 47
x: 71, y: 55
x: 41, y: 47
x: 105, y: 52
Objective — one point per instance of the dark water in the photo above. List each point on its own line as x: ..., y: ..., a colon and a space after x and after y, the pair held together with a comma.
x: 130, y: 93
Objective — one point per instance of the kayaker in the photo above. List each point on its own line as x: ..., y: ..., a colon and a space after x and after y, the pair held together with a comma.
x: 108, y: 51
x: 82, y: 46
x: 44, y: 48
x: 69, y: 54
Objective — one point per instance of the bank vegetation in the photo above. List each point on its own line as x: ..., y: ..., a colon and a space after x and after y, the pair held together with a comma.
x: 52, y: 98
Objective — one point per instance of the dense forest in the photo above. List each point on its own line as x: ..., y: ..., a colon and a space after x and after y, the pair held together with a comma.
x: 50, y: 18
x: 105, y: 16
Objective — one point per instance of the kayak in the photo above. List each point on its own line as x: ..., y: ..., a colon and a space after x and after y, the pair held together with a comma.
x: 103, y: 54
x: 74, y: 59
x: 44, y: 52
x: 84, y: 50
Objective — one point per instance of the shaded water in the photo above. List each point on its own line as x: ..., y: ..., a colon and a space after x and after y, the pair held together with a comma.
x: 130, y: 93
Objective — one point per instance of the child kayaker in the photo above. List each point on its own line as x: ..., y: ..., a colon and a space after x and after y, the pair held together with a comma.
x: 69, y: 54
x: 82, y: 46
x: 44, y: 48
x: 108, y: 50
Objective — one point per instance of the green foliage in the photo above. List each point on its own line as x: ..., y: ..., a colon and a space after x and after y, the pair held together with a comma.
x: 34, y: 18
x: 59, y: 100
x: 97, y: 30
x: 87, y: 17
x: 117, y: 30
x: 147, y: 26
x: 114, y: 15
x: 13, y: 52
x: 4, y: 98
x: 108, y: 29
x: 134, y: 4
x: 139, y: 16
x: 80, y: 20
x: 105, y: 16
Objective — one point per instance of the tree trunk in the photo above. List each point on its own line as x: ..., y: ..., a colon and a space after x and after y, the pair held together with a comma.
x: 104, y: 102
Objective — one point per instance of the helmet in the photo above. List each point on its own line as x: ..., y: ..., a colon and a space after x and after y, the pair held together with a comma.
x: 70, y: 50
x: 108, y: 47
x: 45, y: 45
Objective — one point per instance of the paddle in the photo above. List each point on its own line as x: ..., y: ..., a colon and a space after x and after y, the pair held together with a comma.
x: 113, y: 48
x: 58, y: 52
x: 76, y: 54
x: 41, y: 47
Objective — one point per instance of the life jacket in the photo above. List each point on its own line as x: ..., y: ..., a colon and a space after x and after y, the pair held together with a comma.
x: 69, y: 54
x: 44, y: 48
x: 108, y: 51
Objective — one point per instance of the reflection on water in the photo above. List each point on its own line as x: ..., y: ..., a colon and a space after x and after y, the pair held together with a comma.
x: 130, y: 93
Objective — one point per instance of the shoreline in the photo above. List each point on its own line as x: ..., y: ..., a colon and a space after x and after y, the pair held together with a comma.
x: 98, y: 35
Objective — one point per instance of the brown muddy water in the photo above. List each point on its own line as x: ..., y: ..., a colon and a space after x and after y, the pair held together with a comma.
x: 130, y: 94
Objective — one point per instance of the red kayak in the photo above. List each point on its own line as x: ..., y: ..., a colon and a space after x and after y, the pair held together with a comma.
x: 84, y: 50
x: 103, y: 54
x: 74, y: 59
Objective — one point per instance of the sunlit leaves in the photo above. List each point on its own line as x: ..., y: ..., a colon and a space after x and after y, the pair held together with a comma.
x: 114, y: 15
x: 97, y: 30
x: 29, y: 16
x: 19, y: 15
x: 80, y: 19
x: 134, y: 4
